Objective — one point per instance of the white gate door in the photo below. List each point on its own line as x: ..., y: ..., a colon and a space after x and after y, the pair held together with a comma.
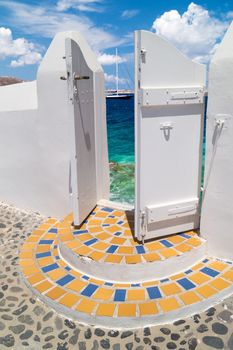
x: 169, y: 95
x: 83, y: 181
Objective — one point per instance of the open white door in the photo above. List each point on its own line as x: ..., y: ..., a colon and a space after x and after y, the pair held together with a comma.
x: 169, y: 95
x: 83, y: 172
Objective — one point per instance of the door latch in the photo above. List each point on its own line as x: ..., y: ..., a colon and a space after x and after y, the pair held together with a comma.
x: 81, y: 77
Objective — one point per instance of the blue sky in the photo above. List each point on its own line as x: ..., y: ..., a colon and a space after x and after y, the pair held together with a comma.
x: 27, y: 28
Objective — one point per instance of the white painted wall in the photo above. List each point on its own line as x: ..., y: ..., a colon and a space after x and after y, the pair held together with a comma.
x: 35, y: 138
x: 217, y: 209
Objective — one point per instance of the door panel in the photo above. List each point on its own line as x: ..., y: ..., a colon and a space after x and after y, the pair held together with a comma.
x: 169, y: 98
x: 83, y: 154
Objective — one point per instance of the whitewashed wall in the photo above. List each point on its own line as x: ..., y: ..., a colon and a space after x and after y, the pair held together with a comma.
x: 217, y: 209
x: 35, y: 135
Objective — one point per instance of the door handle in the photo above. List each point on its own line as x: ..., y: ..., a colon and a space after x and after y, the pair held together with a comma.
x: 81, y: 77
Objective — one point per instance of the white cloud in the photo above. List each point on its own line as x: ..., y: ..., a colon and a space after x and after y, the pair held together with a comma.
x: 81, y: 5
x: 195, y: 32
x: 108, y: 60
x: 47, y: 22
x: 110, y: 78
x: 21, y: 49
x: 129, y: 13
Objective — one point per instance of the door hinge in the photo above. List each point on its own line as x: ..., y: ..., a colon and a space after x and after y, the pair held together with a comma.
x: 143, y: 225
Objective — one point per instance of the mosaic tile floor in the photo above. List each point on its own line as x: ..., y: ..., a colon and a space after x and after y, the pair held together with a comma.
x: 52, y: 278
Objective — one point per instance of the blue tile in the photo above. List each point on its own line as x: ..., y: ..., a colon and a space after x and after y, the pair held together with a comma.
x: 91, y: 241
x: 50, y: 267
x: 140, y: 249
x: 120, y: 222
x: 111, y: 216
x: 112, y: 248
x: 120, y: 295
x: 105, y: 225
x: 57, y: 257
x: 46, y: 241
x: 210, y: 272
x: 67, y: 268
x: 186, y: 283
x: 43, y: 255
x: 117, y: 233
x: 184, y: 235
x: 109, y: 210
x: 64, y: 280
x: 188, y: 272
x: 55, y: 246
x: 165, y: 280
x: 205, y: 260
x: 108, y: 284
x: 53, y: 230
x: 85, y: 277
x: 79, y: 232
x: 166, y: 243
x: 135, y: 285
x: 89, y: 290
x: 154, y: 292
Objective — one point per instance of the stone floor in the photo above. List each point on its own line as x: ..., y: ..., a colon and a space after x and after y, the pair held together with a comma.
x: 26, y: 323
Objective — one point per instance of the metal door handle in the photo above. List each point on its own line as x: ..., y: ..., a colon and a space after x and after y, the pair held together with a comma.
x: 81, y: 77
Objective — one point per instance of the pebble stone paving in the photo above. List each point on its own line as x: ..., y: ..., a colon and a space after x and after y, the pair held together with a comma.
x: 26, y: 323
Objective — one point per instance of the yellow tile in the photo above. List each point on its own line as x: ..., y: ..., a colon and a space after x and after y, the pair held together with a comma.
x: 183, y: 248
x: 218, y: 265
x: 169, y: 304
x: 64, y: 231
x: 149, y: 308
x: 101, y: 214
x: 168, y: 252
x: 38, y: 232
x: 206, y: 291
x: 95, y: 229
x: 94, y: 222
x: 111, y: 258
x: 69, y: 300
x: 194, y: 241
x: 150, y: 283
x: 103, y: 294
x: 55, y: 293
x: 76, y: 285
x: 86, y: 305
x: 170, y: 289
x: 26, y: 255
x: 118, y: 240
x: 125, y: 310
x: 154, y: 246
x: 73, y: 244
x: 179, y: 275
x: 103, y: 236
x: 128, y: 233
x: 28, y: 246
x: 51, y: 221
x: 197, y: 267
x: 56, y: 274
x: 26, y: 262
x: 30, y: 270
x: 43, y: 248
x: 125, y: 250
x: 62, y: 224
x: 199, y: 278
x: 84, y: 237
x: 189, y: 298
x: 83, y: 250
x: 122, y: 285
x: 220, y: 283
x: 69, y: 218
x: 49, y: 236
x: 43, y: 286
x: 133, y: 259
x: 61, y: 263
x: 36, y: 278
x: 100, y: 246
x: 96, y: 255
x: 99, y: 282
x: 175, y: 239
x: 151, y: 257
x: 112, y: 229
x: 105, y: 309
x: 136, y: 294
x: 228, y: 275
x: 44, y: 227
x: 110, y: 221
x: 45, y: 261
x: 66, y: 237
x: 118, y: 213
x: 32, y: 239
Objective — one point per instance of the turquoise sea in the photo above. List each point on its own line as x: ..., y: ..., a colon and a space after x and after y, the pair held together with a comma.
x: 120, y: 124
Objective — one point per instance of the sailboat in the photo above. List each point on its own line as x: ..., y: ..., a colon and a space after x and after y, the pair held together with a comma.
x: 117, y: 94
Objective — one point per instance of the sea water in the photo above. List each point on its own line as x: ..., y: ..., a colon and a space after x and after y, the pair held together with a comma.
x: 120, y: 125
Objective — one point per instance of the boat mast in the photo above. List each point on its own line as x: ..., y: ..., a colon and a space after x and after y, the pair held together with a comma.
x: 117, y: 79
